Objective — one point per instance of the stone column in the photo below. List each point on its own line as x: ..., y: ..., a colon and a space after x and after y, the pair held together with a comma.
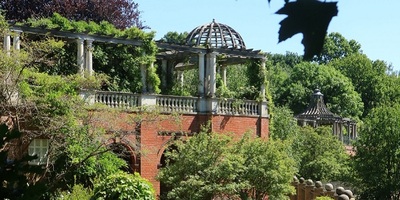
x: 80, y: 57
x: 143, y: 73
x: 263, y: 86
x: 180, y: 78
x: 17, y: 40
x: 164, y: 73
x: 211, y: 73
x: 201, y: 75
x: 7, y: 43
x: 223, y: 75
x: 89, y: 57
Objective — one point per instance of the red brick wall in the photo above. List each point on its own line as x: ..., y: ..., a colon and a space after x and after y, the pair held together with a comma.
x: 152, y: 144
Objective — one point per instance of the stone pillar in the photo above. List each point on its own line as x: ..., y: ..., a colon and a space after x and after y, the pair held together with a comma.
x: 180, y: 78
x: 164, y: 73
x: 211, y: 73
x: 7, y: 43
x: 263, y: 86
x: 223, y: 75
x: 80, y: 56
x: 143, y: 73
x: 17, y: 40
x: 89, y: 57
x: 201, y: 75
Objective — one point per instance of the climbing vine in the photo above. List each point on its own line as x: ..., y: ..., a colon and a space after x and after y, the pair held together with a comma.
x: 120, y: 62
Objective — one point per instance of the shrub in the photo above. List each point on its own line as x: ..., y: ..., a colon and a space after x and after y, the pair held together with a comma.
x: 124, y: 186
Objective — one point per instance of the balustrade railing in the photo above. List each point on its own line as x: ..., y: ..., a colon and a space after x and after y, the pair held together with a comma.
x: 238, y: 107
x: 180, y: 104
x: 177, y: 104
x: 117, y: 99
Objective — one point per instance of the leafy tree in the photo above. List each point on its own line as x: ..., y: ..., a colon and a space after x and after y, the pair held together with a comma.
x: 368, y: 78
x: 339, y: 93
x: 49, y: 106
x: 336, y: 46
x: 121, y: 13
x: 377, y: 155
x: 174, y: 37
x: 284, y: 125
x: 201, y: 168
x: 269, y: 168
x: 211, y: 165
x: 320, y: 155
x: 124, y: 186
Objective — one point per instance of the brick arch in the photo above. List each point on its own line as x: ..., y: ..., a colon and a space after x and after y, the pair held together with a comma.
x: 161, y: 154
x: 126, y: 152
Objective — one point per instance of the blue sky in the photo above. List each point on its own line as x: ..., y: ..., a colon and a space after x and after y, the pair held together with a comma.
x: 374, y: 24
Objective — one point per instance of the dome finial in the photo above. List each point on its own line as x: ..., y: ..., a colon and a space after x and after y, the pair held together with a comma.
x: 213, y: 21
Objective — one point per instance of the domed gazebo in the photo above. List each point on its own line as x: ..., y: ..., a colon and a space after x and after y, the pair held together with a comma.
x: 202, y: 46
x: 215, y: 35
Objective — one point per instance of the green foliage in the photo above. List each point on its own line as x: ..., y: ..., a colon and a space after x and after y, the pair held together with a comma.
x: 378, y: 154
x: 77, y: 192
x: 320, y: 155
x: 201, y: 168
x: 369, y: 79
x: 284, y: 124
x: 337, y: 47
x: 213, y: 165
x: 268, y: 169
x: 174, y: 37
x: 339, y: 93
x: 119, y: 62
x: 124, y: 186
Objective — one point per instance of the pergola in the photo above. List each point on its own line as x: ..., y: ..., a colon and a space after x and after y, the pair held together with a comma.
x: 202, y: 46
x: 318, y: 114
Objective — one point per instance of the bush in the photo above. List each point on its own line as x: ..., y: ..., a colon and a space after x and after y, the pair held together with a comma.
x: 124, y: 186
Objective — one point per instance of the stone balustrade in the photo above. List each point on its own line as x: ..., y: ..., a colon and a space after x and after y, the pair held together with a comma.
x: 308, y: 190
x: 180, y: 104
x: 238, y: 107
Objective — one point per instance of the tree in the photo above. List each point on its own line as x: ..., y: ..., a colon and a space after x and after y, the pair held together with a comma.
x: 320, y: 155
x: 48, y: 106
x: 339, y: 93
x: 368, y: 78
x: 210, y: 165
x: 269, y: 168
x: 175, y: 37
x: 336, y: 46
x: 377, y: 157
x: 121, y: 13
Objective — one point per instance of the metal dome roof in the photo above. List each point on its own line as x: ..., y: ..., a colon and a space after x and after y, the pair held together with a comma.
x: 215, y: 35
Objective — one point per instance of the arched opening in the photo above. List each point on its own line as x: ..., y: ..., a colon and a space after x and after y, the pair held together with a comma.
x: 164, y: 188
x: 126, y: 153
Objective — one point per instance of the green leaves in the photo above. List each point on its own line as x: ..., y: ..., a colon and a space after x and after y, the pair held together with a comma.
x: 123, y: 186
x: 378, y: 154
x: 211, y: 165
